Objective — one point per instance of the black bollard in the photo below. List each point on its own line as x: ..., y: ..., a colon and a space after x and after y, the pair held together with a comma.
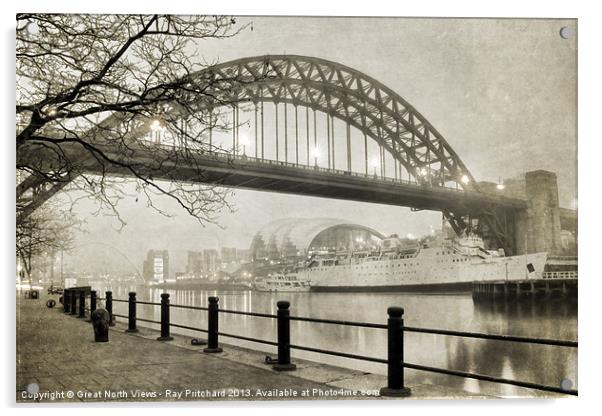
x: 132, y: 313
x: 109, y: 306
x: 82, y: 304
x: 50, y: 303
x: 213, y: 327
x: 66, y: 299
x: 73, y: 302
x: 284, y: 338
x: 100, y: 323
x: 395, y: 383
x: 165, y: 318
x: 92, y: 303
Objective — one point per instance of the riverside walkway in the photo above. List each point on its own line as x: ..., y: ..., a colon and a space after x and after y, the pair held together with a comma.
x: 58, y: 361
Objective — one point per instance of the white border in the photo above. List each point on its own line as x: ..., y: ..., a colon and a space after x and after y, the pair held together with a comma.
x: 589, y: 184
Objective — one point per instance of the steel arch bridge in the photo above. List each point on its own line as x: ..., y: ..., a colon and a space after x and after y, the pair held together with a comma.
x: 341, y: 93
x: 348, y: 95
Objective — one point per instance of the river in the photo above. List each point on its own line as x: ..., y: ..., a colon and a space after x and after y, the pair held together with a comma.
x: 526, y: 362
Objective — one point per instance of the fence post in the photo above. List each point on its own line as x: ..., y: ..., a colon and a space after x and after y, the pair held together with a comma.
x: 165, y: 318
x: 213, y: 326
x: 395, y: 383
x: 92, y: 301
x: 109, y: 306
x: 82, y: 304
x: 284, y: 338
x: 132, y: 313
x: 73, y: 302
x: 93, y: 305
x: 66, y: 300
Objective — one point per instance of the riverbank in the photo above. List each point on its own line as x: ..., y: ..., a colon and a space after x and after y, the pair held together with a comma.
x: 58, y: 359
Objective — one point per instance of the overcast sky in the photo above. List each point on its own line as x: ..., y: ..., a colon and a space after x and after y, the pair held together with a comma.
x: 501, y: 92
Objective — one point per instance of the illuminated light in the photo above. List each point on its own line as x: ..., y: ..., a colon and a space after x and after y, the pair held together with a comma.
x: 32, y: 28
x: 423, y: 172
x: 52, y: 112
x: 156, y: 125
x: 375, y: 163
x: 316, y: 152
x: 410, y: 236
x: 465, y: 179
x: 244, y: 140
x: 500, y: 186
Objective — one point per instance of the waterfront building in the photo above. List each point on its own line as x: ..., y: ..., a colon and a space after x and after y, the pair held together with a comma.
x: 293, y: 239
x: 195, y: 263
x: 210, y: 261
x: 155, y: 268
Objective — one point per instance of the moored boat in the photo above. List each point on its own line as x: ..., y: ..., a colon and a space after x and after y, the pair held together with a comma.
x: 450, y: 265
x: 282, y: 282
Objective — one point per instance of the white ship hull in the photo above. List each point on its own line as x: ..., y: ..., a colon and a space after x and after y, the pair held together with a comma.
x: 431, y: 269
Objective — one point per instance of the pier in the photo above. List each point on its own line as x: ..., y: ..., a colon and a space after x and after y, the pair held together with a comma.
x: 553, y: 284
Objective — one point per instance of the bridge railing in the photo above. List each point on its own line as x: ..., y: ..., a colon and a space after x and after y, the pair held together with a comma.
x: 229, y: 156
x: 395, y: 333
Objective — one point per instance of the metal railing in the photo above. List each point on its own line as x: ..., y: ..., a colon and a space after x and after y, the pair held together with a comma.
x: 395, y: 339
x: 230, y: 156
x: 566, y: 274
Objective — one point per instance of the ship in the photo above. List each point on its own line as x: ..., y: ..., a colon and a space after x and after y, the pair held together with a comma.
x: 282, y: 282
x: 445, y: 265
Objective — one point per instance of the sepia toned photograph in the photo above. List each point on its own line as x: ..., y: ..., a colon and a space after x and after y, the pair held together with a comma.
x: 285, y: 208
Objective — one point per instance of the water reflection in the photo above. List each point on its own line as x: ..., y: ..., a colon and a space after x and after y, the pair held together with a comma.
x: 532, y: 317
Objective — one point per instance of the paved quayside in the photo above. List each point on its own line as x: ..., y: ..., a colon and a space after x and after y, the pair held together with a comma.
x: 57, y: 352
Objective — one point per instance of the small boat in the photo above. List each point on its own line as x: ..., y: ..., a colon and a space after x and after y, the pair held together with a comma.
x: 280, y: 282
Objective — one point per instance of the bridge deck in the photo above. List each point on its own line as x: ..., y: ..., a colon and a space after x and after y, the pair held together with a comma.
x: 278, y: 176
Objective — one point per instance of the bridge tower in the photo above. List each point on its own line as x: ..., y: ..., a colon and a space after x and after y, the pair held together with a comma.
x: 538, y: 228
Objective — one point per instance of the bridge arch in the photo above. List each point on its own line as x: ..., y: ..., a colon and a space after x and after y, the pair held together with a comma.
x: 345, y: 94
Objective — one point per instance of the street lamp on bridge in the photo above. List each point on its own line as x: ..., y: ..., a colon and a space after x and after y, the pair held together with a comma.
x: 316, y: 154
x: 244, y: 140
x: 156, y: 126
x: 375, y: 165
x: 500, y: 185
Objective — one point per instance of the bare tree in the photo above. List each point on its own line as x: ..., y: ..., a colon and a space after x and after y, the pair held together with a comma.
x: 96, y: 89
x: 47, y: 230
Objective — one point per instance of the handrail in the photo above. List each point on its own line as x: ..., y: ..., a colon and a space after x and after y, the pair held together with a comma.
x: 147, y: 303
x: 199, y: 308
x: 338, y: 322
x: 260, y: 315
x: 511, y: 338
x: 493, y: 379
x: 565, y: 274
x: 340, y: 354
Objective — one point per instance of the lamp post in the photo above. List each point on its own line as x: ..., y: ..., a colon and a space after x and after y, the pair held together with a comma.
x: 244, y: 140
x: 156, y: 126
x: 316, y: 154
x: 375, y: 166
x: 500, y: 185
